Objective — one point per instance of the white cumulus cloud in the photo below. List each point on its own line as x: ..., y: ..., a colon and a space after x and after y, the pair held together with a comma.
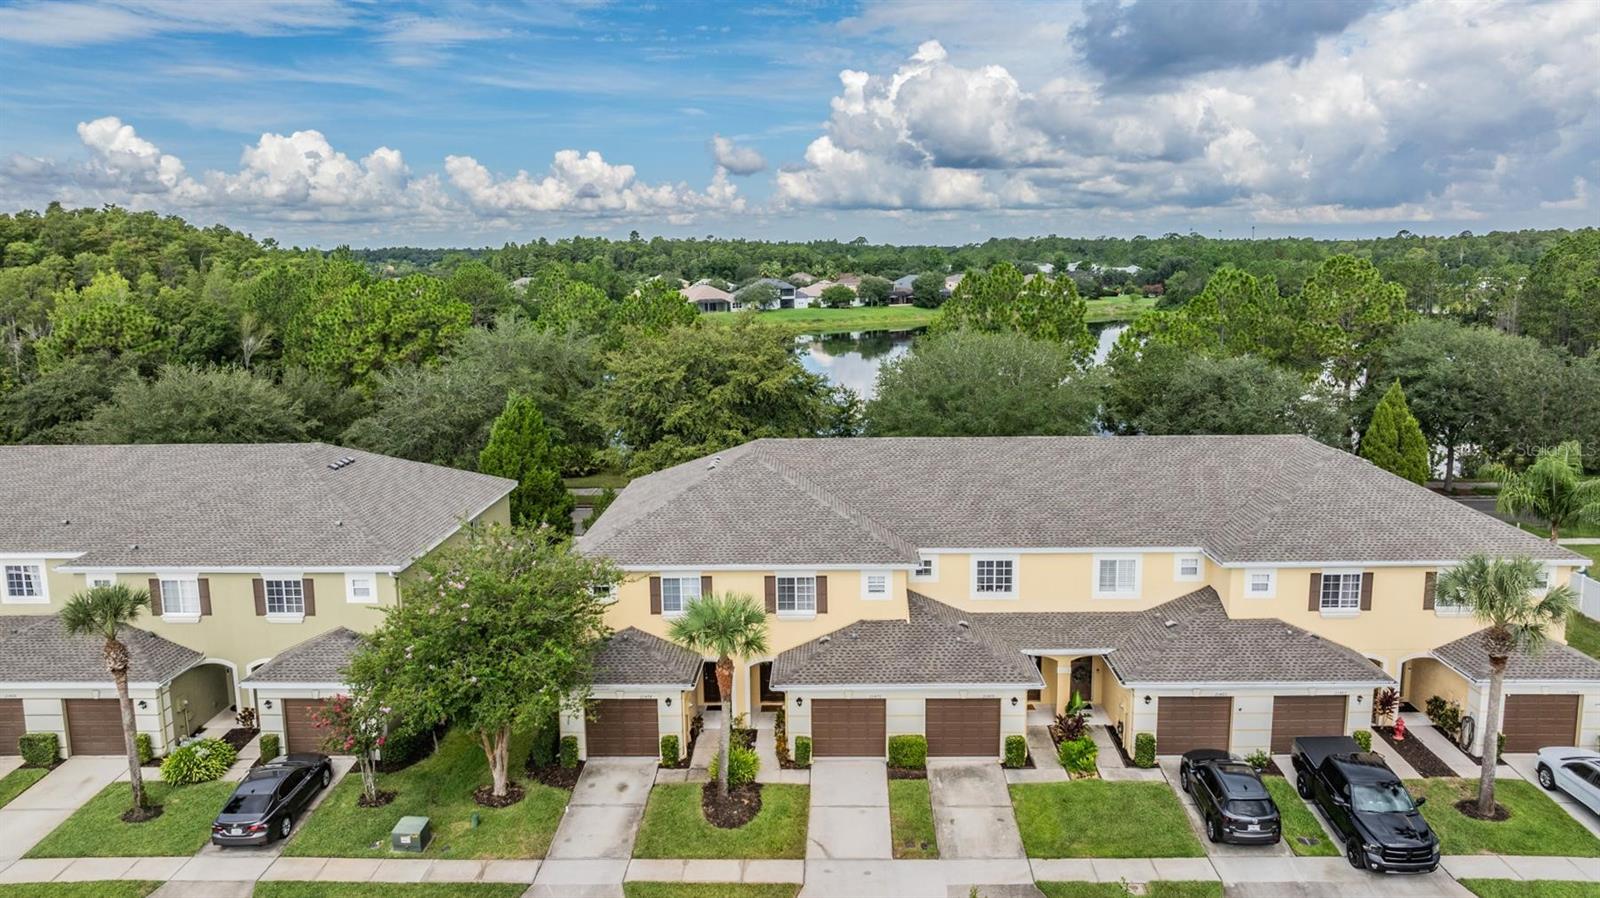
x: 735, y: 159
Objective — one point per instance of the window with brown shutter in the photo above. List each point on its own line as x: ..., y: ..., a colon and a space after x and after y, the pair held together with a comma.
x: 705, y: 584
x: 1316, y: 592
x: 155, y: 596
x: 258, y: 586
x: 1366, y: 591
x: 822, y: 594
x: 205, y: 597
x: 1430, y: 586
x: 310, y: 596
x: 771, y: 586
x: 655, y: 595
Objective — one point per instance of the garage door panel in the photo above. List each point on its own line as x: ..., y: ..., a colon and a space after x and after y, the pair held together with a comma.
x: 622, y: 728
x: 848, y: 728
x: 1533, y: 722
x: 12, y: 726
x: 1305, y: 715
x: 963, y: 727
x: 1185, y: 723
x: 301, y: 732
x: 94, y: 726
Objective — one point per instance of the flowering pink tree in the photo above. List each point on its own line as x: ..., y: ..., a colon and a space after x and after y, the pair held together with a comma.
x: 355, y: 725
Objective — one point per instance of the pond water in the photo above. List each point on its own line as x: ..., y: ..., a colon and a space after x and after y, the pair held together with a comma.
x: 853, y: 359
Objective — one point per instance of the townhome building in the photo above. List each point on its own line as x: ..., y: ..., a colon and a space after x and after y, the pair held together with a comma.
x: 1217, y: 591
x: 263, y: 563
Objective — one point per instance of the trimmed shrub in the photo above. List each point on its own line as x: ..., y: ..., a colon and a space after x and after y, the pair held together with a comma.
x: 743, y: 765
x: 1258, y: 759
x: 1144, y: 750
x: 669, y: 750
x: 1078, y: 755
x: 546, y: 746
x: 1363, y: 738
x: 909, y: 752
x: 200, y: 761
x: 1500, y: 747
x: 802, y: 751
x: 269, y: 746
x: 40, y: 749
x: 569, y: 751
x: 402, y: 748
x: 1016, y: 751
x: 141, y: 744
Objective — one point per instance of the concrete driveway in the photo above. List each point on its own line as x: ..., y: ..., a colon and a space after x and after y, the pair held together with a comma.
x: 972, y: 814
x: 849, y: 809
x: 33, y: 814
x: 1526, y: 766
x: 602, y: 819
x: 1169, y: 768
x: 342, y: 765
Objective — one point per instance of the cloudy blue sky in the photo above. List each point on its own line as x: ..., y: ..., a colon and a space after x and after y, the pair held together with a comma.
x: 372, y: 123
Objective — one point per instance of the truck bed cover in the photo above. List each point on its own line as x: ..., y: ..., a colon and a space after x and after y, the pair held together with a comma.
x: 1316, y: 749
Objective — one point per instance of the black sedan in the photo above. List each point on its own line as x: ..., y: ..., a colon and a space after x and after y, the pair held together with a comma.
x: 1234, y: 804
x: 264, y: 805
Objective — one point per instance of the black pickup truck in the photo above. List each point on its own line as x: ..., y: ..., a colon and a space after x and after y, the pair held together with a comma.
x: 1366, y: 804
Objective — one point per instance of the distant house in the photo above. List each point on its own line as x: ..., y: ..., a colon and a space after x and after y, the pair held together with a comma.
x: 951, y: 282
x: 802, y: 279
x: 787, y: 293
x: 709, y: 299
x: 901, y: 290
x: 853, y: 281
x: 812, y: 293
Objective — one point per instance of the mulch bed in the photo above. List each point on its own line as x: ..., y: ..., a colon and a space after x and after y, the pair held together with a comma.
x: 239, y: 737
x: 1469, y: 808
x: 908, y: 773
x: 1272, y: 769
x: 1116, y: 739
x: 557, y: 776
x: 740, y: 807
x: 383, y: 797
x: 484, y: 795
x: 688, y: 753
x: 1415, y: 753
x: 142, y: 815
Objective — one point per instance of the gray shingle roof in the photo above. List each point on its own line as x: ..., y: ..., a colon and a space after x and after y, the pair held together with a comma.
x: 269, y: 505
x: 1243, y: 499
x: 320, y: 659
x: 1554, y: 661
x: 632, y: 657
x: 37, y: 649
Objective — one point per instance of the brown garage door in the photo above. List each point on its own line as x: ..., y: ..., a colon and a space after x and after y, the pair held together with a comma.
x: 1538, y: 721
x: 968, y: 727
x: 94, y: 726
x: 847, y: 728
x: 1305, y: 715
x: 300, y: 732
x: 1188, y: 723
x: 622, y: 727
x: 11, y: 725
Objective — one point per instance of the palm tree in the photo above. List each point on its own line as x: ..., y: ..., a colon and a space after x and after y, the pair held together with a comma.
x: 1551, y: 489
x: 104, y: 611
x: 726, y: 625
x: 1504, y: 595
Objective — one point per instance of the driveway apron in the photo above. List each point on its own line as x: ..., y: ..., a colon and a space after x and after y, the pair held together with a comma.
x: 1280, y: 848
x: 602, y: 819
x: 33, y: 814
x: 849, y: 810
x: 972, y: 814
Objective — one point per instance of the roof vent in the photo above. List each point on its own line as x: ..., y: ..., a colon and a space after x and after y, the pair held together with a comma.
x: 1169, y: 623
x: 66, y: 521
x: 712, y: 465
x: 133, y: 548
x: 344, y: 462
x: 963, y: 624
x: 824, y: 640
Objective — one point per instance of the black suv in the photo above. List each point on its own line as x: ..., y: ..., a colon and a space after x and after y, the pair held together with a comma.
x: 1234, y: 804
x: 263, y: 806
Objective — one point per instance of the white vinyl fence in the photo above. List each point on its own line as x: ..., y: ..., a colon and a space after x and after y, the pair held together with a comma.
x: 1588, y: 595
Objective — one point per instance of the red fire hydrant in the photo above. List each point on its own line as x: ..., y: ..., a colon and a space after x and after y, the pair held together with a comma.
x: 1399, y: 730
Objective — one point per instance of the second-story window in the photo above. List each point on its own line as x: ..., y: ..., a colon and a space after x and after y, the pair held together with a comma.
x: 678, y: 592
x: 24, y: 582
x: 797, y: 595
x: 875, y: 584
x: 925, y: 570
x: 1341, y: 591
x: 1116, y: 577
x: 1260, y: 584
x: 1188, y: 567
x: 287, y: 597
x: 180, y: 598
x: 994, y: 576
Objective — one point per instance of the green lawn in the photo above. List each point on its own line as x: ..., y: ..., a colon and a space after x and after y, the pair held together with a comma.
x: 17, y: 782
x: 710, y: 890
x: 1531, y: 888
x: 111, y: 888
x: 1592, y: 550
x: 903, y: 318
x: 1537, y: 825
x: 1119, y: 308
x: 1098, y: 818
x: 286, y: 889
x: 1162, y: 889
x: 911, y: 819
x: 1583, y: 634
x: 97, y: 830
x: 674, y: 827
x: 1299, y: 820
x: 1569, y: 531
x: 439, y: 787
x: 598, y: 480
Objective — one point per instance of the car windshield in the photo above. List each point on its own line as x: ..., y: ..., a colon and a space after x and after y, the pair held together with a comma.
x: 1252, y: 807
x: 249, y: 803
x: 1387, y: 799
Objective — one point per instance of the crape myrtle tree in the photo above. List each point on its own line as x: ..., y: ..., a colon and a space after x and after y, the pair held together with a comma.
x: 498, y: 631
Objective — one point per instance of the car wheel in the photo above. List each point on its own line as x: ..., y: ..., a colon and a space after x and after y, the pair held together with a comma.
x: 1183, y: 780
x: 327, y: 777
x: 1213, y: 831
x: 1352, y: 853
x: 1303, y: 786
x: 286, y: 827
x: 1546, y: 778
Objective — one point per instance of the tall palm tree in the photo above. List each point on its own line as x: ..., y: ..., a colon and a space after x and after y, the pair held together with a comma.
x: 1504, y: 595
x: 726, y: 625
x: 1551, y: 489
x: 105, y: 611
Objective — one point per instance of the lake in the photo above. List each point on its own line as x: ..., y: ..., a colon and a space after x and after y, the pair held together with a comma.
x: 853, y: 359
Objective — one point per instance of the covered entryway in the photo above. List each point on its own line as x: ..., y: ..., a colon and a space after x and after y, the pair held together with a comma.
x: 622, y: 727
x: 300, y: 731
x: 1305, y: 715
x: 1533, y: 722
x: 848, y: 728
x: 1186, y: 723
x: 94, y: 726
x: 12, y: 725
x: 963, y: 727
x: 710, y: 689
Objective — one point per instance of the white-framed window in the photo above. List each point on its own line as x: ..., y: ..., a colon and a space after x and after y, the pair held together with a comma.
x: 797, y: 594
x: 927, y: 568
x: 875, y: 585
x: 361, y: 587
x: 180, y: 599
x: 678, y: 591
x: 1546, y: 577
x: 1341, y: 592
x: 1260, y: 584
x: 1116, y: 576
x: 604, y: 592
x: 23, y: 582
x: 286, y: 597
x: 100, y: 578
x: 1188, y: 568
x: 994, y: 576
x: 1447, y: 604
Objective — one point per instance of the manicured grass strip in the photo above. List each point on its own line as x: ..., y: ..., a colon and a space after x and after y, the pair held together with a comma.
x: 1129, y: 819
x: 911, y: 820
x: 1537, y: 825
x: 1531, y: 888
x: 1299, y: 820
x: 1583, y: 633
x: 710, y: 890
x: 97, y: 830
x: 674, y: 826
x: 286, y: 889
x: 17, y: 782
x: 111, y: 888
x: 439, y: 787
x: 833, y: 321
x: 1161, y: 889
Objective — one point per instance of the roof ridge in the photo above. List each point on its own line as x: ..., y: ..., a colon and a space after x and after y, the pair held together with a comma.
x: 877, y: 529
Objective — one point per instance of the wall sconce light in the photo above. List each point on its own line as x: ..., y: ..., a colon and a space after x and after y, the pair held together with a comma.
x: 1358, y: 699
x: 798, y: 701
x: 669, y: 702
x: 1147, y: 699
x: 1013, y: 701
x: 268, y: 704
x: 143, y: 705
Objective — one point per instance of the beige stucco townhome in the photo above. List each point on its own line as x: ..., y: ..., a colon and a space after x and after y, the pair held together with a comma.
x: 263, y: 563
x: 1223, y: 591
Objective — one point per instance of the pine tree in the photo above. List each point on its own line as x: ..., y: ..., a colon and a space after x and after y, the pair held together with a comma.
x: 519, y: 448
x: 1394, y: 440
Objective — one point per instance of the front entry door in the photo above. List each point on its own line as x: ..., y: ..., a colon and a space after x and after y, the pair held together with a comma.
x: 1082, y: 679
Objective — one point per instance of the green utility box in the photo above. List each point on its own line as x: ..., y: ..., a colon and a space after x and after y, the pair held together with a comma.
x: 411, y: 834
